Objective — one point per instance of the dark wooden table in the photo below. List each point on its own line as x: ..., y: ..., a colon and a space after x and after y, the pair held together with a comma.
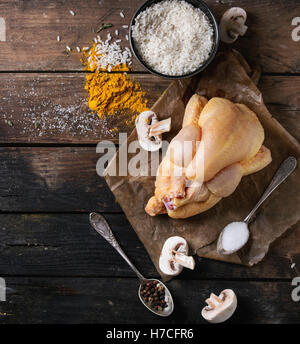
x: 57, y: 269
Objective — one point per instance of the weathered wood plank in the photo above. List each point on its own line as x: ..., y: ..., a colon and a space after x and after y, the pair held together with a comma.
x: 114, y: 300
x: 52, y: 179
x: 53, y: 108
x: 47, y: 108
x: 32, y: 28
x: 66, y: 245
x: 282, y: 96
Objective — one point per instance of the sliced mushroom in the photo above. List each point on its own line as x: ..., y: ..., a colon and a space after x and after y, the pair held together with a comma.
x: 174, y: 256
x: 220, y: 308
x: 149, y: 130
x: 232, y: 24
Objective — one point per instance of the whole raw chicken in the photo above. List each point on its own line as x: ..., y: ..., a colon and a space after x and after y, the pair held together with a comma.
x: 219, y: 143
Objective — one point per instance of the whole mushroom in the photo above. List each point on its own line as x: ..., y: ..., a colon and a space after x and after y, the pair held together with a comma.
x: 220, y: 308
x: 149, y: 130
x: 174, y: 256
x: 232, y: 24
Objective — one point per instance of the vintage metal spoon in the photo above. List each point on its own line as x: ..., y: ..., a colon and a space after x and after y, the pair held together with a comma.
x: 237, y: 233
x: 99, y: 223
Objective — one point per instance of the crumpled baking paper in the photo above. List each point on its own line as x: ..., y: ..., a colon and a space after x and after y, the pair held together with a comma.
x: 228, y: 76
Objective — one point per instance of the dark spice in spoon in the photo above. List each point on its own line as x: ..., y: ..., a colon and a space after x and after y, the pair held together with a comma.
x: 153, y: 293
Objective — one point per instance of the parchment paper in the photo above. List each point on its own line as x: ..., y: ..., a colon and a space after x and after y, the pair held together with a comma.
x: 227, y: 77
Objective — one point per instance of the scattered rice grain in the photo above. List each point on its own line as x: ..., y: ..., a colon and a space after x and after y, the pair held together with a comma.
x: 122, y: 15
x: 72, y: 13
x: 68, y: 48
x: 58, y: 38
x: 105, y: 54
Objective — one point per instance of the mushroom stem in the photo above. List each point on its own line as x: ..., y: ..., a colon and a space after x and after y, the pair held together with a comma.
x: 220, y: 308
x: 213, y: 301
x: 210, y: 304
x: 216, y: 298
x: 149, y: 130
x: 238, y: 28
x: 160, y: 127
x: 184, y: 260
x: 232, y: 24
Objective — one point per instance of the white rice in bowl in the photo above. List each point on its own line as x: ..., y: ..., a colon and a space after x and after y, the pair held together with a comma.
x: 173, y: 37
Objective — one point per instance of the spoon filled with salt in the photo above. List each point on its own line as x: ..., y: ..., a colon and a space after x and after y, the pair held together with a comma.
x: 236, y: 234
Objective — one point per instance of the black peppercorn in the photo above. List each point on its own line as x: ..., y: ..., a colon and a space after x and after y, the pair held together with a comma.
x: 153, y: 293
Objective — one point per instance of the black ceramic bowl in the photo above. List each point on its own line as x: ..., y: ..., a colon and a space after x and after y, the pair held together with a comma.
x: 196, y: 3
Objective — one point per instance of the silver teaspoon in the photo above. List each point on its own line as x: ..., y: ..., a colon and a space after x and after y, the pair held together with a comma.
x: 236, y: 234
x: 99, y: 223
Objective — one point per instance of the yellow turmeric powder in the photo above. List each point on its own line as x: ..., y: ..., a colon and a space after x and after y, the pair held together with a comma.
x: 114, y: 93
x: 111, y: 93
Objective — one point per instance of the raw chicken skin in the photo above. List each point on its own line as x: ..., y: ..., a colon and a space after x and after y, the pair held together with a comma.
x: 218, y: 144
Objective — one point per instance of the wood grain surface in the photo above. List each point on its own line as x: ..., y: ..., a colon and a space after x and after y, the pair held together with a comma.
x: 57, y: 269
x: 32, y: 28
x: 52, y: 108
x: 66, y: 245
x: 52, y: 180
x: 114, y: 301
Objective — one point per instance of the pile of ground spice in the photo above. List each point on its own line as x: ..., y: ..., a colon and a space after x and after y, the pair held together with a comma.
x: 112, y: 93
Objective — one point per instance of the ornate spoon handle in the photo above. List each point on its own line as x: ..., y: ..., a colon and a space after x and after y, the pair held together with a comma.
x: 285, y: 169
x: 99, y: 223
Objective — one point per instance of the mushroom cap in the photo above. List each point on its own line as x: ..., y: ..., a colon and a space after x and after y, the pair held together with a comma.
x: 166, y: 263
x: 232, y: 24
x: 222, y: 310
x: 142, y: 124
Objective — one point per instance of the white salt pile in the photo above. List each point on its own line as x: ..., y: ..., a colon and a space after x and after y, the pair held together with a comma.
x: 235, y: 235
x: 173, y: 37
